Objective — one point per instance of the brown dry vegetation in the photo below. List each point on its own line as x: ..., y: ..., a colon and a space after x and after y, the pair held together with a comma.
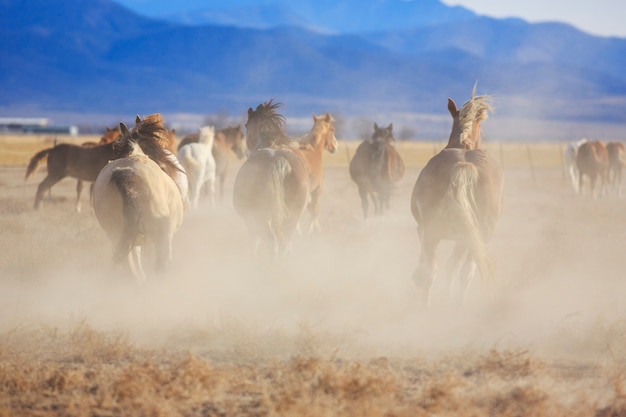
x: 337, y: 330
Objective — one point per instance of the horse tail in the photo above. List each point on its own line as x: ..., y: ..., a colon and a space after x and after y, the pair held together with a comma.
x: 461, y: 203
x: 280, y: 170
x: 35, y: 161
x: 125, y: 180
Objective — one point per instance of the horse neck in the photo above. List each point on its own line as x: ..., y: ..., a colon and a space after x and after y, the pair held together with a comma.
x: 456, y: 140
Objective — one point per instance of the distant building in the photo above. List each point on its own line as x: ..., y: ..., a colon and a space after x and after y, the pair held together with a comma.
x: 34, y: 125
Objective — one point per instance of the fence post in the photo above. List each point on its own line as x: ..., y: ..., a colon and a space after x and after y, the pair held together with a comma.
x: 530, y: 161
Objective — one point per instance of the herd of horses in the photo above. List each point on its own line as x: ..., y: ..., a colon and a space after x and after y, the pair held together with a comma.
x: 142, y: 185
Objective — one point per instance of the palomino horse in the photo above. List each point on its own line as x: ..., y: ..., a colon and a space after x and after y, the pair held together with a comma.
x: 617, y: 161
x: 228, y: 139
x: 320, y: 137
x: 271, y: 189
x: 592, y: 160
x: 375, y: 167
x: 458, y: 197
x: 136, y: 199
x: 198, y: 161
x: 570, y: 161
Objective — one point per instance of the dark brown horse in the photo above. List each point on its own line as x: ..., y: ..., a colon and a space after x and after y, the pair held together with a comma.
x: 592, y: 160
x: 458, y: 197
x: 617, y: 161
x: 321, y: 136
x: 83, y: 163
x: 228, y: 139
x: 271, y: 189
x: 375, y: 168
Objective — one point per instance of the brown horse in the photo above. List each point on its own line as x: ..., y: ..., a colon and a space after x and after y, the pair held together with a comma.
x: 109, y: 136
x: 592, y: 160
x: 375, y: 167
x: 320, y: 137
x: 458, y: 197
x: 228, y: 139
x: 83, y: 163
x: 617, y: 161
x: 137, y: 200
x: 271, y: 189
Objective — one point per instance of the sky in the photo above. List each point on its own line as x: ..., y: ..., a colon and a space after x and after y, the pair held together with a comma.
x: 598, y: 17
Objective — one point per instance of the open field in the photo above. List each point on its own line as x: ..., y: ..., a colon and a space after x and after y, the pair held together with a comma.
x: 337, y: 330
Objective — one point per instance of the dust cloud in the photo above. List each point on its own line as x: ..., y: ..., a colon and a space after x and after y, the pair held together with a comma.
x: 346, y: 292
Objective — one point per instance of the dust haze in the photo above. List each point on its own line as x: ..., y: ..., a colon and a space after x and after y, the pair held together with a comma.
x: 346, y: 292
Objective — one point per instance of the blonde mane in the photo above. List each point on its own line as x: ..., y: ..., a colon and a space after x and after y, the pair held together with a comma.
x: 473, y: 112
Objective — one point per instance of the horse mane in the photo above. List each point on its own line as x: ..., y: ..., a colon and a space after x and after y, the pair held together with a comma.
x: 271, y: 125
x: 475, y: 110
x: 153, y: 138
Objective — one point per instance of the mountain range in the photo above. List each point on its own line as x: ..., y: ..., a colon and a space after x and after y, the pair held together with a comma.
x: 349, y: 56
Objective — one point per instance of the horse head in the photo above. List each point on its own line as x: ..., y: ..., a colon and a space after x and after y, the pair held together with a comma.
x: 324, y: 132
x: 383, y: 134
x: 466, y: 131
x: 265, y: 127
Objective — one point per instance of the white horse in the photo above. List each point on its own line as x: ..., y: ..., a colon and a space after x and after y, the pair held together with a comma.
x: 199, y: 164
x: 570, y: 162
x: 137, y: 203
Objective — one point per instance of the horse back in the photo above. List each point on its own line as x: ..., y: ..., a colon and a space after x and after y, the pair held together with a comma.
x: 592, y: 158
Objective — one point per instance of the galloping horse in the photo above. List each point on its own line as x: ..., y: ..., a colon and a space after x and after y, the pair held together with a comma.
x: 228, y: 139
x: 271, y: 189
x: 617, y: 161
x: 136, y: 198
x: 375, y: 168
x: 199, y: 164
x: 570, y: 161
x: 592, y: 160
x: 458, y: 197
x: 320, y: 137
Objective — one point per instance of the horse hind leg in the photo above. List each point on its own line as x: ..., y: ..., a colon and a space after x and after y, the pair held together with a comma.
x: 424, y: 275
x: 79, y: 191
x: 134, y: 262
x: 364, y: 201
x: 44, y: 186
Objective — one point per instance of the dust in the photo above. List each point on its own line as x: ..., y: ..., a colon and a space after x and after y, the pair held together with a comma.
x: 346, y: 292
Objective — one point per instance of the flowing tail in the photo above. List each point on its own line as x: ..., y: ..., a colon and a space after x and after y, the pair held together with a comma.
x: 35, y: 161
x: 126, y: 182
x: 460, y: 200
x: 280, y: 170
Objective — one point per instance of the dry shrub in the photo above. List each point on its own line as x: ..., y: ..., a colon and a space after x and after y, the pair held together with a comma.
x: 508, y: 364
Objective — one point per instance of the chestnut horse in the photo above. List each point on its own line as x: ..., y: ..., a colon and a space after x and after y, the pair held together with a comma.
x: 271, y: 189
x: 228, y: 139
x: 458, y: 197
x: 617, y: 161
x: 136, y: 198
x: 375, y: 167
x: 321, y: 136
x: 592, y: 160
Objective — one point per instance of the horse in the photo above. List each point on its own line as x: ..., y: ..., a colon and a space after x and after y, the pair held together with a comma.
x: 110, y: 134
x: 136, y: 198
x: 271, y: 189
x: 458, y: 196
x: 570, y: 161
x: 320, y: 137
x: 199, y: 164
x: 617, y: 161
x: 592, y: 160
x: 375, y: 167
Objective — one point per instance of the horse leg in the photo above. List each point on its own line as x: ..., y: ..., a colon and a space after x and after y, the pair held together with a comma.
x: 364, y: 200
x: 424, y: 275
x: 91, y: 193
x: 79, y: 191
x: 593, y: 179
x: 455, y: 263
x: 44, y: 186
x: 314, y: 210
x: 222, y: 180
x: 466, y: 275
x: 134, y: 261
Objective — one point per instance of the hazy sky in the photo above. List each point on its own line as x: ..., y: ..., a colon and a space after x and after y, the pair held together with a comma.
x: 599, y: 17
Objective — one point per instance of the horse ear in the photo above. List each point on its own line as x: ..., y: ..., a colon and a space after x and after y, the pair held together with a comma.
x: 314, y: 116
x: 137, y: 119
x: 173, y: 131
x: 452, y: 108
x: 250, y: 112
x: 329, y: 118
x: 390, y: 127
x: 123, y: 129
x: 375, y: 126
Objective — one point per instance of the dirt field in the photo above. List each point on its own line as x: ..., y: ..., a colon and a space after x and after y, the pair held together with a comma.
x: 338, y: 330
